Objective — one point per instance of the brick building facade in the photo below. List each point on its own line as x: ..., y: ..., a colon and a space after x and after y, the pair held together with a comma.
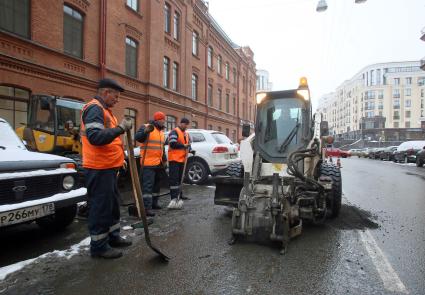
x: 169, y: 56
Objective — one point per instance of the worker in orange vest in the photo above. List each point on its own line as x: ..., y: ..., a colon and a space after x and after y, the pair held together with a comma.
x: 178, y: 149
x: 103, y: 156
x: 152, y: 159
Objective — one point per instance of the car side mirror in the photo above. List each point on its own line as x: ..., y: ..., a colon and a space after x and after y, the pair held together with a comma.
x: 246, y: 130
x: 44, y: 104
x: 324, y: 128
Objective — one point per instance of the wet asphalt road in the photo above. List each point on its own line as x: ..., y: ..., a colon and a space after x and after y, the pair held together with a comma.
x: 376, y: 246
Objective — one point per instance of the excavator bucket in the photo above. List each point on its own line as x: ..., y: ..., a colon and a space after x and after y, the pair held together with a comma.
x: 227, y: 190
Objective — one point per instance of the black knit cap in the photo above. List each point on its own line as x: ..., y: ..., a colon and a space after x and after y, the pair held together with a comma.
x: 184, y: 121
x: 109, y: 83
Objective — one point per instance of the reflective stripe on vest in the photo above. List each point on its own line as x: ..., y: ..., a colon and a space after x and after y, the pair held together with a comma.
x: 154, y: 149
x: 106, y: 156
x: 178, y: 155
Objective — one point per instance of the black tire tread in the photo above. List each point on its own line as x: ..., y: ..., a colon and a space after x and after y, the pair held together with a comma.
x: 334, y: 172
x: 235, y: 169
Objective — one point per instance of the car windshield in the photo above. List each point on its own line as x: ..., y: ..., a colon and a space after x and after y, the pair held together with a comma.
x: 280, y: 123
x: 221, y: 138
x: 69, y: 113
x: 8, y: 138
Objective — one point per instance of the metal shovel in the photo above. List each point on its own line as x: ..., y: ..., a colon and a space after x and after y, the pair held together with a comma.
x: 137, y: 192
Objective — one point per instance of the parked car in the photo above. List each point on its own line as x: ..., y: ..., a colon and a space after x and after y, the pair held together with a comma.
x: 388, y: 153
x: 355, y: 152
x: 406, y: 152
x: 420, y: 157
x: 34, y: 186
x: 364, y: 153
x: 376, y: 153
x: 336, y: 152
x: 214, y: 153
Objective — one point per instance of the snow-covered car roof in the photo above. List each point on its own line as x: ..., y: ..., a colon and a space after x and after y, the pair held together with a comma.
x: 414, y: 144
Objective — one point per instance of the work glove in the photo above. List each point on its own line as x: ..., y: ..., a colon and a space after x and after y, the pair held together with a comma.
x: 126, y: 124
x: 148, y: 128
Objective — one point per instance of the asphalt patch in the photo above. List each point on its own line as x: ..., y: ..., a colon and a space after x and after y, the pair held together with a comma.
x: 353, y: 218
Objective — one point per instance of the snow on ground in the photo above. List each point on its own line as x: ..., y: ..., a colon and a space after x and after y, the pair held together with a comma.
x: 68, y: 254
x: 34, y: 173
x: 58, y: 197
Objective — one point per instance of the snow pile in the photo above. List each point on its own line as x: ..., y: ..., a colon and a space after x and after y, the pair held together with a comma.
x: 55, y: 198
x: 35, y: 173
x: 18, y: 155
x: 69, y: 253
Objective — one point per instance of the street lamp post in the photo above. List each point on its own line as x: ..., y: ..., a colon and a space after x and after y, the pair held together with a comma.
x: 323, y: 6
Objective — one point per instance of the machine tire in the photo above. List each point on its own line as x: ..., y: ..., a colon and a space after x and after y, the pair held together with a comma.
x: 419, y: 163
x: 197, y: 172
x: 235, y: 169
x: 60, y: 220
x: 334, y: 172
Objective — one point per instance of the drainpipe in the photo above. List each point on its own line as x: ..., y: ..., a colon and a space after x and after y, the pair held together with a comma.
x: 102, y: 38
x: 206, y: 82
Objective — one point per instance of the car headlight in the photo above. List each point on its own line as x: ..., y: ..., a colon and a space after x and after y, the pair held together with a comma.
x: 68, y: 182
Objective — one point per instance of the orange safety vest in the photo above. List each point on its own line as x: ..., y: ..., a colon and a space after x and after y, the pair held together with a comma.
x: 154, y: 148
x: 107, y: 156
x: 179, y: 155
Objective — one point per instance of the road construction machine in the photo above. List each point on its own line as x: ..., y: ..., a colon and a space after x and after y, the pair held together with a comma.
x: 53, y: 126
x: 283, y: 178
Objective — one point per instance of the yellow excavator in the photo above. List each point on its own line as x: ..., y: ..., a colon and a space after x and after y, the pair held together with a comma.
x: 53, y: 126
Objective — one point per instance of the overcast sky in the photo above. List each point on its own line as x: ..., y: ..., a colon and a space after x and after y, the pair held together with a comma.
x: 290, y: 39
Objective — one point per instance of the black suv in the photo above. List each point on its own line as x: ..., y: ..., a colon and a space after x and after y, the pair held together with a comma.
x: 420, y: 157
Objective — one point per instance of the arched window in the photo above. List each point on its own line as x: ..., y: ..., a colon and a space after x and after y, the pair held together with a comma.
x: 72, y: 31
x: 194, y: 87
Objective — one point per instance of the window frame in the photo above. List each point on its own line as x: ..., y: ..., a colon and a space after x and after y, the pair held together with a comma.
x: 175, y: 74
x: 219, y: 64
x: 27, y: 24
x: 170, y: 120
x: 176, y: 25
x: 131, y: 6
x: 128, y: 47
x: 210, y: 57
x: 194, y: 87
x: 167, y: 18
x: 195, y: 43
x: 210, y: 95
x: 166, y: 72
x: 73, y: 9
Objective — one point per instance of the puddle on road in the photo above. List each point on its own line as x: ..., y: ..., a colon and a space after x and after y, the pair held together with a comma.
x: 417, y: 175
x: 352, y: 217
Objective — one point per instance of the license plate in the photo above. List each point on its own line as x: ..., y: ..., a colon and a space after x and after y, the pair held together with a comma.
x: 233, y: 156
x: 26, y: 214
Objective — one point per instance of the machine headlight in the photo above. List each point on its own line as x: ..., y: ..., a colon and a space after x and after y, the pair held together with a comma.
x: 304, y: 93
x: 260, y: 96
x: 68, y: 182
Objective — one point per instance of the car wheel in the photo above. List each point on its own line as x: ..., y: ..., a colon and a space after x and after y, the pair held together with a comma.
x: 335, y: 200
x: 60, y: 220
x: 419, y: 163
x: 197, y: 172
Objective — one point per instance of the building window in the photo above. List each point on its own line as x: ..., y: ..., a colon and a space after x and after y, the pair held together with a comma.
x: 396, y: 93
x: 378, y: 77
x: 396, y: 81
x: 194, y: 125
x: 408, y: 92
x: 396, y: 115
x: 176, y: 23
x: 219, y: 128
x: 227, y: 103
x: 409, y: 81
x: 132, y: 114
x: 166, y: 72
x: 210, y: 93
x: 14, y: 105
x: 220, y: 105
x: 210, y: 127
x: 227, y: 71
x: 210, y: 57
x: 72, y: 32
x: 167, y: 18
x: 15, y: 17
x: 234, y: 136
x: 219, y: 61
x: 380, y: 94
x: 422, y: 92
x: 133, y: 4
x: 421, y: 81
x: 234, y: 105
x: 175, y: 76
x: 396, y: 124
x: 408, y: 114
x: 408, y: 103
x: 194, y: 87
x: 234, y: 75
x: 131, y: 57
x: 195, y: 43
x: 407, y: 124
x: 227, y: 132
x: 170, y: 122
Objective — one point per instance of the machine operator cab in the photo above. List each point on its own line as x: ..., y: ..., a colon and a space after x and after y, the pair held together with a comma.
x: 283, y: 125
